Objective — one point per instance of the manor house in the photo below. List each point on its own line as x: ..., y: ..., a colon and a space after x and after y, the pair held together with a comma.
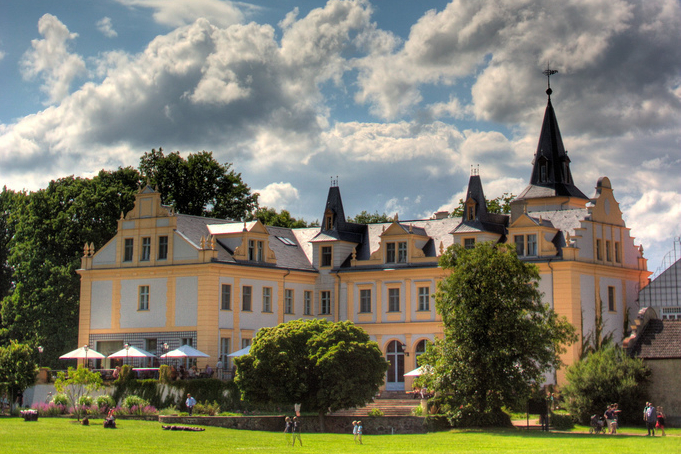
x: 167, y: 279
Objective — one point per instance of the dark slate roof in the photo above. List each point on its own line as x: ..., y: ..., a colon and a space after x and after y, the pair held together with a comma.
x: 194, y: 227
x: 287, y: 256
x: 660, y: 339
x: 484, y: 221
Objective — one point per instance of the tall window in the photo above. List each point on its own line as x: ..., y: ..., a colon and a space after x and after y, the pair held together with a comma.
x: 261, y: 251
x: 143, y: 302
x: 612, y: 307
x: 599, y: 254
x: 390, y: 253
x: 267, y: 299
x: 469, y: 243
x: 225, y: 350
x: 420, y: 350
x: 146, y: 249
x: 162, y: 247
x: 245, y: 343
x: 127, y: 250
x: 326, y: 255
x: 325, y: 302
x: 532, y: 245
x: 608, y: 252
x: 519, y: 241
x: 150, y: 345
x: 365, y: 300
x: 246, y: 295
x: 288, y: 301
x: 402, y: 252
x: 226, y: 297
x: 618, y: 252
x: 307, y: 303
x: 424, y: 298
x: 393, y: 300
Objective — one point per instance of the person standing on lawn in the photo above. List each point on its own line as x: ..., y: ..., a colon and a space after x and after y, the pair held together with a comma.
x: 354, y: 430
x: 288, y: 428
x: 650, y: 416
x: 190, y: 403
x: 660, y: 420
x: 296, y: 431
x: 359, y: 432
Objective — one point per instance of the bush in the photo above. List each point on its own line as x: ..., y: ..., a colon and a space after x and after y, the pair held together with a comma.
x: 50, y: 409
x: 60, y: 399
x: 561, y: 422
x: 104, y: 403
x: 376, y: 412
x: 164, y: 374
x: 132, y: 401
x: 84, y: 401
x: 604, y: 377
x: 207, y: 408
x: 467, y: 416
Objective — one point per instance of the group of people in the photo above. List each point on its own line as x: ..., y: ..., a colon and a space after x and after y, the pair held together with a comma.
x: 612, y: 415
x: 188, y: 373
x: 357, y: 431
x: 292, y: 429
x: 654, y: 418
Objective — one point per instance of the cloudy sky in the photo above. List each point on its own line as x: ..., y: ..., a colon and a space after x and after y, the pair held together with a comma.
x: 397, y: 98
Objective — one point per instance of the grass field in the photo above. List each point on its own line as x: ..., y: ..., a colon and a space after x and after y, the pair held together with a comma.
x: 58, y: 435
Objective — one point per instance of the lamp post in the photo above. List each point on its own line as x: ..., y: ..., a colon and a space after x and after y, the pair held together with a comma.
x: 86, y: 348
x: 40, y: 351
x: 127, y: 349
x: 165, y: 350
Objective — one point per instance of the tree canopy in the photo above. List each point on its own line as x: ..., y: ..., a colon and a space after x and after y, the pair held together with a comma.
x: 603, y: 377
x: 198, y: 185
x: 500, y: 205
x: 499, y: 338
x: 319, y: 364
x: 17, y: 367
x: 368, y: 218
x: 269, y: 216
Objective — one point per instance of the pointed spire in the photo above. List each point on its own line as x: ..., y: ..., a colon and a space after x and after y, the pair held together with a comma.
x: 551, y: 165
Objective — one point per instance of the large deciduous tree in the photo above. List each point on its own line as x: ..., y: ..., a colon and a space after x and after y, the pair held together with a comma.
x: 269, y: 216
x: 51, y: 226
x: 319, y: 364
x: 198, y: 185
x: 17, y: 368
x: 500, y: 338
x: 605, y: 376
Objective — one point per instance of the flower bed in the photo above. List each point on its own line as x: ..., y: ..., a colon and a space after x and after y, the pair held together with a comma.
x: 29, y: 415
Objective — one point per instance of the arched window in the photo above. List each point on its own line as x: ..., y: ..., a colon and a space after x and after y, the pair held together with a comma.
x: 419, y: 350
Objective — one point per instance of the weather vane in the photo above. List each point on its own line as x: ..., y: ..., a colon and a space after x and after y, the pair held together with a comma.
x: 548, y: 72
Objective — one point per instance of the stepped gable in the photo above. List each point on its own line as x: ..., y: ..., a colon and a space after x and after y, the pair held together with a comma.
x: 660, y: 339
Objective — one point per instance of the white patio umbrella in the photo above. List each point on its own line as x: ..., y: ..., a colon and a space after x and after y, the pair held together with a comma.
x: 419, y: 371
x: 185, y: 351
x: 132, y: 352
x: 242, y: 352
x: 83, y: 352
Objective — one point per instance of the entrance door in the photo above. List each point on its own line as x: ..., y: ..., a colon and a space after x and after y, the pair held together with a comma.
x: 395, y: 379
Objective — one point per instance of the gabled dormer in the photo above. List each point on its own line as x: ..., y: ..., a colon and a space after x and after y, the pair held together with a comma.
x: 533, y: 236
x: 400, y: 244
x: 248, y: 241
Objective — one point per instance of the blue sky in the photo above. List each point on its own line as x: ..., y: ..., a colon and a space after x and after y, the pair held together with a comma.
x: 397, y: 98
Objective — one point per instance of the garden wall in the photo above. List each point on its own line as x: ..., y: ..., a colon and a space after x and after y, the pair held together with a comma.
x: 334, y: 424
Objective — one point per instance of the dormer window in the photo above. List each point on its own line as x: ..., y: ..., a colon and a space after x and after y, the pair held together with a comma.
x: 526, y: 245
x: 328, y: 221
x: 326, y: 256
x: 402, y: 252
x: 256, y: 250
x: 471, y: 212
x: 396, y: 252
x: 543, y: 173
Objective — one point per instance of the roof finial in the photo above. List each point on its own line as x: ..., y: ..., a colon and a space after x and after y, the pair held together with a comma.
x: 334, y: 182
x: 548, y: 72
x: 475, y: 170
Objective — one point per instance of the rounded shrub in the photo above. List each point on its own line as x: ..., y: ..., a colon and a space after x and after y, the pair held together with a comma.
x: 60, y: 399
x: 105, y: 402
x: 84, y: 401
x: 134, y: 401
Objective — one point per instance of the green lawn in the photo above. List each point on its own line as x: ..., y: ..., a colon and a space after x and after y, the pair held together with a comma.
x: 58, y: 435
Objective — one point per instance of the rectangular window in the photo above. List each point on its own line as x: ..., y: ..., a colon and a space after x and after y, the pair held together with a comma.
x: 424, y: 298
x: 127, y: 250
x: 187, y: 341
x: 365, y: 300
x: 325, y: 302
x: 519, y: 241
x: 608, y: 252
x: 288, y: 301
x: 393, y: 300
x: 267, y: 299
x: 402, y: 252
x: 245, y: 343
x: 150, y: 345
x: 469, y: 243
x: 143, y: 302
x: 226, y: 299
x: 611, y: 299
x: 146, y: 249
x: 326, y: 255
x: 246, y: 294
x: 162, y: 247
x: 251, y: 250
x: 532, y: 245
x: 225, y: 350
x: 599, y: 254
x: 261, y: 254
x: 307, y: 304
x: 390, y: 253
x: 618, y: 253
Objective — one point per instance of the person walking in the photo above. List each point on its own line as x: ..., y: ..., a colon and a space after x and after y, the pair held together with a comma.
x: 354, y: 430
x: 650, y: 416
x: 660, y: 420
x: 190, y: 402
x: 359, y: 432
x: 296, y: 431
x: 288, y: 429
